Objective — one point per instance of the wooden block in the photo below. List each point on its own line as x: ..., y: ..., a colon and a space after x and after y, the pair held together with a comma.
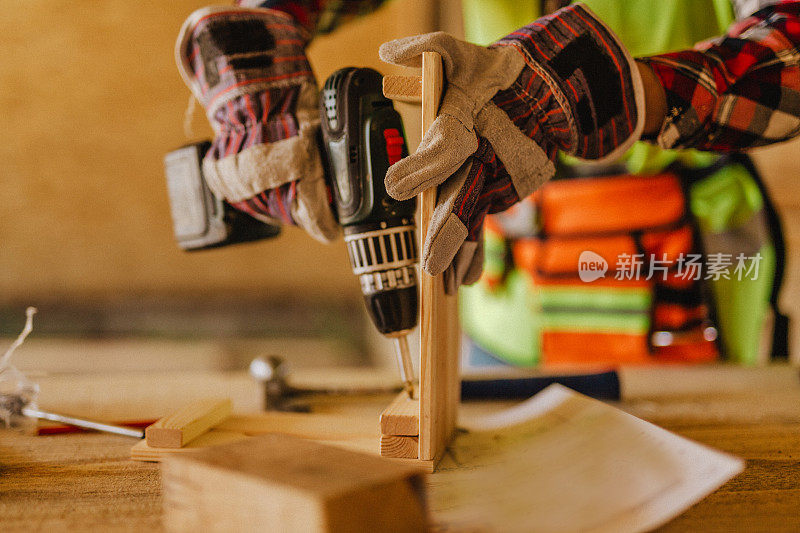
x: 403, y: 88
x: 439, y: 330
x: 401, y: 417
x: 142, y: 452
x: 397, y: 446
x: 179, y: 428
x: 280, y: 483
x: 352, y: 433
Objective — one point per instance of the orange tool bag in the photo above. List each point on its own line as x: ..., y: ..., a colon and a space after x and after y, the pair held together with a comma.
x: 613, y: 246
x: 625, y: 269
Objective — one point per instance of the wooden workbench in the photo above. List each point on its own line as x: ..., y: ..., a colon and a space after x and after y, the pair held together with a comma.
x: 86, y: 481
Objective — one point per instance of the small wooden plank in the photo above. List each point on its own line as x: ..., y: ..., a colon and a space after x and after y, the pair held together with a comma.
x: 350, y: 432
x: 399, y: 446
x: 401, y: 417
x: 280, y: 483
x: 403, y: 88
x: 439, y: 331
x: 179, y: 428
x: 217, y: 437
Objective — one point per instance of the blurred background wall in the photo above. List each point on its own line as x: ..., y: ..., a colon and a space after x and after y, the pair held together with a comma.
x: 91, y: 101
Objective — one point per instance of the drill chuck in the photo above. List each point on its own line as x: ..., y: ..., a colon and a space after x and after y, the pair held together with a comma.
x: 384, y: 256
x: 404, y: 363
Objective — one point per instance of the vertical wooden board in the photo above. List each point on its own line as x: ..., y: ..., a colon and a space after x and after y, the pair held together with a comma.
x: 439, y: 338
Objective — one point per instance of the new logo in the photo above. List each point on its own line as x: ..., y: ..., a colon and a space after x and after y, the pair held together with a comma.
x: 591, y: 266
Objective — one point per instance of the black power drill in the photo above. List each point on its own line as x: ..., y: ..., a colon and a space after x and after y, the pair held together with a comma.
x: 362, y: 135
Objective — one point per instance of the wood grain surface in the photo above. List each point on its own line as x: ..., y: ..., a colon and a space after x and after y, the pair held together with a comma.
x: 281, y: 483
x: 403, y: 89
x: 86, y: 482
x: 91, y: 217
x: 399, y: 446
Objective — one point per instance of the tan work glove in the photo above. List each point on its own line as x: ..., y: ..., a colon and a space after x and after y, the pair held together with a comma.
x: 564, y: 82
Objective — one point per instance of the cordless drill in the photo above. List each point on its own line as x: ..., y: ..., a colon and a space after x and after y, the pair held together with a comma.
x: 362, y: 135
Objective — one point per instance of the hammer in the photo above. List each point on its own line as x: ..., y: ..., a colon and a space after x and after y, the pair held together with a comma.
x: 272, y: 373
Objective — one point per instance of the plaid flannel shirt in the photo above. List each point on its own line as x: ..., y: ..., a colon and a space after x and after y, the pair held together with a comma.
x: 737, y: 91
x: 318, y: 16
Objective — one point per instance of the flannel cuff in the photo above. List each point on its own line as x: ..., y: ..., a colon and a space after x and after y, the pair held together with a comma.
x: 738, y: 91
x: 691, y: 99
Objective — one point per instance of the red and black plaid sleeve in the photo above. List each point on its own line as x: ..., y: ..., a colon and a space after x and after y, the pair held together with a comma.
x: 318, y: 16
x: 737, y: 91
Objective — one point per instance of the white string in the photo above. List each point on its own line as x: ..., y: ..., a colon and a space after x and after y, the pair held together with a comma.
x: 29, y: 312
x: 188, y: 116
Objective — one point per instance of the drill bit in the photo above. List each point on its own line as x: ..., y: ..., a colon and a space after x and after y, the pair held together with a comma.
x: 404, y: 362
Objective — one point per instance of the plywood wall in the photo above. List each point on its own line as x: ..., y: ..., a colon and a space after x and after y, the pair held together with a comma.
x: 90, y: 101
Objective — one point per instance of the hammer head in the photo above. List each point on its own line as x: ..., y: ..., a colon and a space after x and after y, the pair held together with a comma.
x: 271, y: 372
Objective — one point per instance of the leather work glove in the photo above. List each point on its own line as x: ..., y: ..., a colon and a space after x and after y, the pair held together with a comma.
x: 248, y: 69
x: 563, y: 82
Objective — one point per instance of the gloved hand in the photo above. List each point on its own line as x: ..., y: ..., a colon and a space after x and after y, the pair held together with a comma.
x: 564, y: 82
x: 248, y: 68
